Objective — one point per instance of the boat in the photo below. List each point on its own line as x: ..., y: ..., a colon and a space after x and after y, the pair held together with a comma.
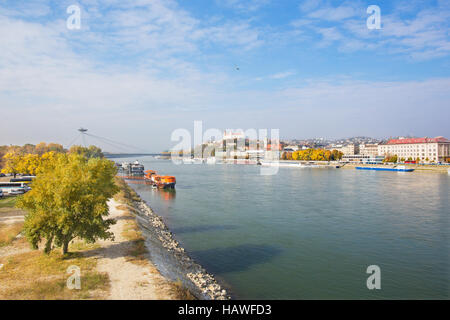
x: 131, y: 171
x: 137, y: 169
x: 160, y: 182
x: 396, y: 169
x: 125, y: 166
x: 211, y: 160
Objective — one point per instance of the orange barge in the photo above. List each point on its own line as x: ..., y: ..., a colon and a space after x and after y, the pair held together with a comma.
x: 161, y: 182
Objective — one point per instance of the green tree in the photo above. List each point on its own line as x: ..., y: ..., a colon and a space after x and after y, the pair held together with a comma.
x: 68, y: 200
x: 90, y: 152
x: 336, y: 155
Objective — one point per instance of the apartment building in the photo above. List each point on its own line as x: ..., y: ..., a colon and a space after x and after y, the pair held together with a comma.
x: 368, y: 149
x: 350, y: 149
x: 433, y: 149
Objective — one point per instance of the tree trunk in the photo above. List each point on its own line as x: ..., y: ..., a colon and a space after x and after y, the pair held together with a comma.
x: 48, y: 245
x: 66, y: 247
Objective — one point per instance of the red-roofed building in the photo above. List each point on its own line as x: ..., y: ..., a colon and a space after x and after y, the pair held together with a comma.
x: 433, y: 149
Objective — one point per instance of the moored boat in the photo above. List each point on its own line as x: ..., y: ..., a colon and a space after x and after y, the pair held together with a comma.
x: 160, y: 182
x: 396, y: 169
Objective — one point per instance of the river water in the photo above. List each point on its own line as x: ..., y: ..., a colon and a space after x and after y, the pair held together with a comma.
x: 310, y: 233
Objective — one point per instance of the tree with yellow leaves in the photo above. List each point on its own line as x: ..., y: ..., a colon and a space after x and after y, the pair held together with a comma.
x: 12, y: 163
x: 29, y: 164
x: 68, y: 200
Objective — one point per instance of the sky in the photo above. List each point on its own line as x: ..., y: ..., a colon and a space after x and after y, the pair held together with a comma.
x: 135, y: 71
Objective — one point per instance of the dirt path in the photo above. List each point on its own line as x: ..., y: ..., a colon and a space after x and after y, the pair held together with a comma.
x: 130, y: 281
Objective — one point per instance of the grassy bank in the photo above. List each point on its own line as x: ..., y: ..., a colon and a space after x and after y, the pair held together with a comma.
x: 8, y: 202
x: 9, y: 232
x: 34, y: 275
x: 29, y: 274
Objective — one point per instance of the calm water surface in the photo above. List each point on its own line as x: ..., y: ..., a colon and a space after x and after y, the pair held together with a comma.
x: 310, y: 233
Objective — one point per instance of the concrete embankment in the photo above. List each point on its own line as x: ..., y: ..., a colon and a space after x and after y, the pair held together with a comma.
x: 172, y: 260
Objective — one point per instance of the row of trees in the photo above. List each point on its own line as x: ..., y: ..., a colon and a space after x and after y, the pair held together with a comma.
x: 29, y: 148
x: 26, y: 164
x: 28, y: 158
x: 313, y: 155
x: 394, y: 159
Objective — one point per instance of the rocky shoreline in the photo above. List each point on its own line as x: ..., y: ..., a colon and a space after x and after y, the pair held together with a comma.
x: 174, y: 261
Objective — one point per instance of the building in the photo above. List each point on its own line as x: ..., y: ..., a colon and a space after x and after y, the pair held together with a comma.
x: 363, y: 158
x: 290, y: 148
x: 368, y: 149
x: 426, y: 149
x: 349, y: 149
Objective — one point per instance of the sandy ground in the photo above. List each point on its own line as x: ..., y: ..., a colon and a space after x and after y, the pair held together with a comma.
x: 15, y: 249
x: 129, y: 280
x: 10, y: 219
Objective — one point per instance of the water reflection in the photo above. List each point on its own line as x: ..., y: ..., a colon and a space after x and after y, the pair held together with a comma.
x: 166, y: 195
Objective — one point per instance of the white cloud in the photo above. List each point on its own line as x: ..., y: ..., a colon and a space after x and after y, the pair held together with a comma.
x: 244, y: 5
x: 282, y: 75
x: 308, y: 5
x: 330, y: 13
x: 423, y: 35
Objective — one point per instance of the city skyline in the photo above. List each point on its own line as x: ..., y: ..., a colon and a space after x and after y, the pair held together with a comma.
x: 136, y: 71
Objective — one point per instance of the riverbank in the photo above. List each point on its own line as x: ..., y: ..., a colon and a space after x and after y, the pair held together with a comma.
x: 111, y: 269
x: 333, y: 164
x: 324, y: 164
x: 169, y: 257
x: 127, y: 263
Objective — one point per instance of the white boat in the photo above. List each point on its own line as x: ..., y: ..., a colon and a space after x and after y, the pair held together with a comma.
x: 211, y: 160
x: 134, y: 169
x: 137, y: 169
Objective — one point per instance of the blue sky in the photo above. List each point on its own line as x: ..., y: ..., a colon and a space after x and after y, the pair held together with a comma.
x: 137, y: 70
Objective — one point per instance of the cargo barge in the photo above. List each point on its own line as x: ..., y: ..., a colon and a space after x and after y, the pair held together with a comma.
x: 135, y: 171
x: 160, y: 182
